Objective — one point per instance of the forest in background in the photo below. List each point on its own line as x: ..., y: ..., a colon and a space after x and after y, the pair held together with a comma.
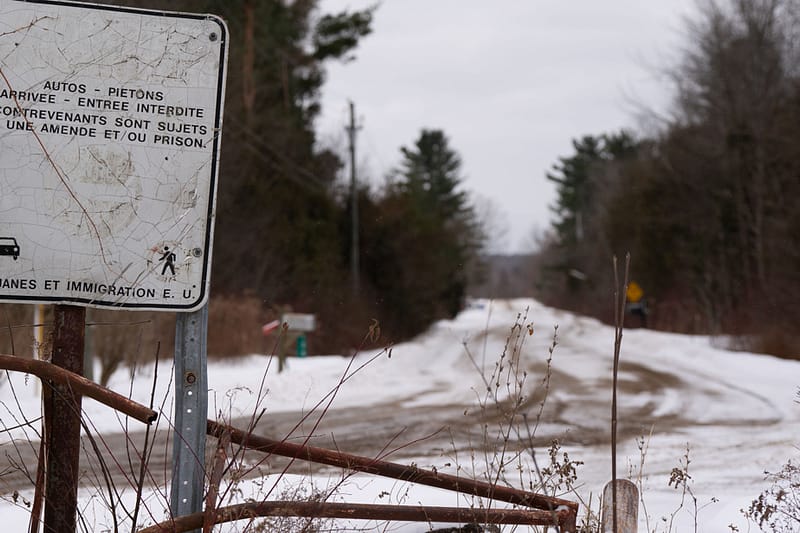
x: 283, y: 235
x: 708, y: 207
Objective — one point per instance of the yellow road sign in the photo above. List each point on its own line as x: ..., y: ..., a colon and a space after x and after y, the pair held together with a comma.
x: 634, y: 292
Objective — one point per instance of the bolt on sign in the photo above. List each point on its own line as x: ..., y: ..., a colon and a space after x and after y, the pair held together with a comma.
x: 110, y: 122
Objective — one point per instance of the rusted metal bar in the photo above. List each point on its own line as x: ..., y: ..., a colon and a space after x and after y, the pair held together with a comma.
x: 63, y: 446
x: 352, y: 511
x: 220, y: 458
x: 57, y: 375
x: 411, y: 474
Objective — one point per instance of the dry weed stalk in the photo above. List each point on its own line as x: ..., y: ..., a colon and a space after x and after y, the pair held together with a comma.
x: 511, y: 438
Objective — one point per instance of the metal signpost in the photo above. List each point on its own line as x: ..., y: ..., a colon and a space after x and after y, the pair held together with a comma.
x: 191, y: 413
x: 110, y: 122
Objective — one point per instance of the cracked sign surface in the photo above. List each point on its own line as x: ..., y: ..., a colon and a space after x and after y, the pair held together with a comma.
x: 109, y: 141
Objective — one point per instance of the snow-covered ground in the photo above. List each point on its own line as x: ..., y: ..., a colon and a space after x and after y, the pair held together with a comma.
x: 736, y: 413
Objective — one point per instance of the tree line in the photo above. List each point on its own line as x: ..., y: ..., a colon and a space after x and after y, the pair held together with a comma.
x: 708, y: 206
x: 283, y: 228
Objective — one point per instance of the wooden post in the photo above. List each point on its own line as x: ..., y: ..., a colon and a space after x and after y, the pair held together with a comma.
x: 63, y: 423
x: 627, y: 507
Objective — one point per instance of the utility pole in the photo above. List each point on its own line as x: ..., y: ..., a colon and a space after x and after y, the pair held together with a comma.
x: 354, y: 253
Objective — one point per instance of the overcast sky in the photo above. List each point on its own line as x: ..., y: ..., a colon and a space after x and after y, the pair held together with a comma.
x: 510, y: 82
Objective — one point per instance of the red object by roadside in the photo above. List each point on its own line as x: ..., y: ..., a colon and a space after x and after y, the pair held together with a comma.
x: 269, y: 327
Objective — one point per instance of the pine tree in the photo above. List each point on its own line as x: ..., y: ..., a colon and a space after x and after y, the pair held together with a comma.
x: 576, y: 179
x: 574, y: 189
x: 431, y: 176
x: 425, y: 241
x: 278, y: 215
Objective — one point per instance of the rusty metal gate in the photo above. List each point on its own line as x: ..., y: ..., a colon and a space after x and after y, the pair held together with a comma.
x: 530, y: 508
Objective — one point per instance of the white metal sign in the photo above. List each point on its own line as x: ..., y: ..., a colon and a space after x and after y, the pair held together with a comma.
x: 299, y: 321
x: 109, y: 141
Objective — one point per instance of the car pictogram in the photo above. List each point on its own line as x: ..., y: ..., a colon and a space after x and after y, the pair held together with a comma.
x: 9, y: 246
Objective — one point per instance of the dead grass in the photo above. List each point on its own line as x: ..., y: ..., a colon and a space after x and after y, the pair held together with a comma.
x: 234, y: 326
x: 131, y: 338
x: 777, y: 341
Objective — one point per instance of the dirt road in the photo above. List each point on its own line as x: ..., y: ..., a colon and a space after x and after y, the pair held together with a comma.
x: 428, y: 435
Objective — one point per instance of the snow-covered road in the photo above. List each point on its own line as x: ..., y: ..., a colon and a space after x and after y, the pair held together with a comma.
x: 735, y: 413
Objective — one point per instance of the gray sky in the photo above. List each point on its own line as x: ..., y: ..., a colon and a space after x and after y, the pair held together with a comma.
x: 510, y: 82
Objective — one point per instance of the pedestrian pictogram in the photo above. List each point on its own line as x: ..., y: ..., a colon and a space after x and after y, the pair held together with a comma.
x: 168, y: 257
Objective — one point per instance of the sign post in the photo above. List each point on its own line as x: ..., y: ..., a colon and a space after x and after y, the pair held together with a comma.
x: 296, y: 326
x: 110, y: 130
x: 63, y: 422
x: 191, y: 408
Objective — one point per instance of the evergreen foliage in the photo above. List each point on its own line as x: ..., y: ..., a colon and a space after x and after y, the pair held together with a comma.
x: 576, y: 176
x: 704, y: 208
x: 283, y: 221
x: 425, y: 238
x: 573, y: 189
